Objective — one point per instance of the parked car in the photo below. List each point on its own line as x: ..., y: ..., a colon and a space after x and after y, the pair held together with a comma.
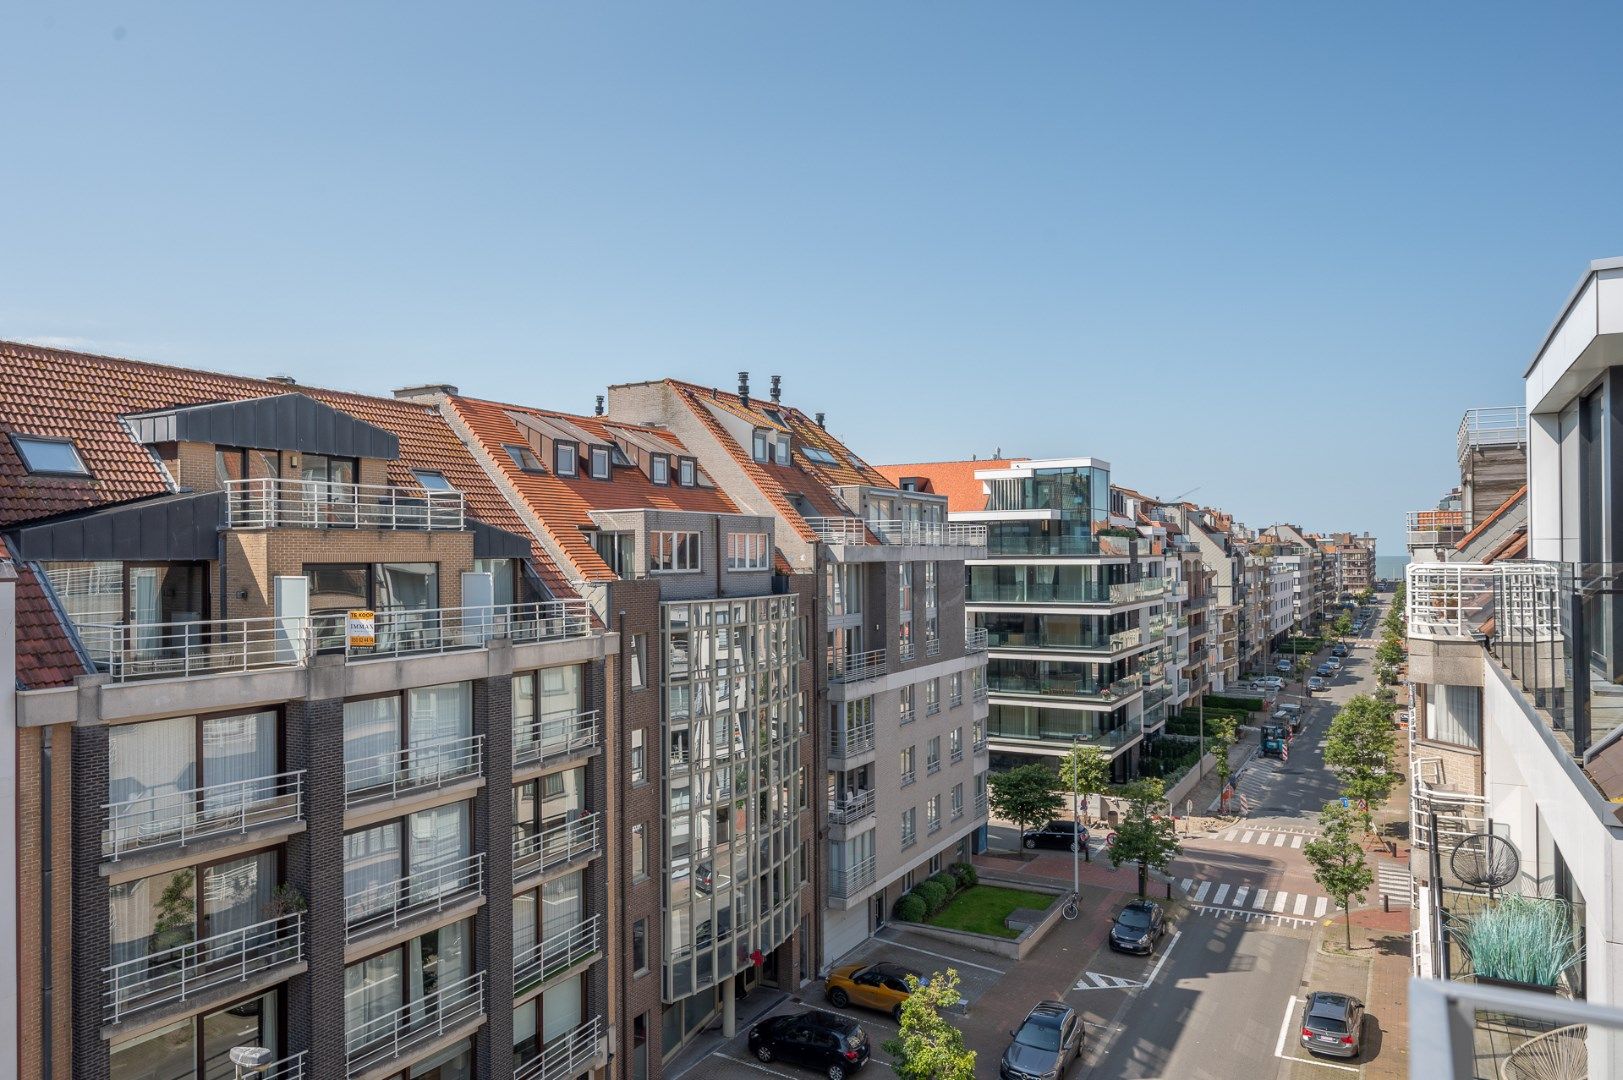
x: 1042, y: 1047
x: 1338, y: 650
x: 1316, y: 685
x: 830, y: 1044
x: 1060, y: 833
x: 1333, y: 1024
x: 1334, y: 663
x: 1284, y: 666
x: 1324, y: 670
x: 1138, y: 927
x: 881, y: 986
x: 1273, y: 682
x: 1274, y: 737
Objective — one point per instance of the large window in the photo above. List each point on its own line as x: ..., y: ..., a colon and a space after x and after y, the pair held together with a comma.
x: 156, y: 768
x: 543, y: 913
x: 548, y: 801
x: 412, y: 973
x: 425, y: 846
x: 673, y: 552
x: 409, y: 737
x: 199, y: 1048
x: 1454, y: 715
x: 548, y: 1019
x: 748, y: 551
x: 51, y: 457
x: 546, y: 704
x: 169, y: 910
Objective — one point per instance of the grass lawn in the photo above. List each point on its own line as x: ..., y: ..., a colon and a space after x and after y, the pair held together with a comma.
x: 981, y: 909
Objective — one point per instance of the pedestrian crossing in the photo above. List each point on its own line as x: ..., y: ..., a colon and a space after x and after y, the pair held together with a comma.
x: 1276, y: 838
x: 1250, y: 899
x: 1394, y: 880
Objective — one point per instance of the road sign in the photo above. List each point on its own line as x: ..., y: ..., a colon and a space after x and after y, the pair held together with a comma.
x: 1345, y: 802
x: 1363, y: 806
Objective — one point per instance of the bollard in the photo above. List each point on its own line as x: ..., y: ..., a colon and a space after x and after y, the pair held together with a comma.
x: 1386, y: 902
x: 1169, y: 890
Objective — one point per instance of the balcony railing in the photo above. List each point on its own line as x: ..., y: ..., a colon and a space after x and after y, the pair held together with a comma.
x: 1435, y: 528
x: 853, y: 531
x: 556, y: 953
x: 289, y: 1068
x: 846, y: 883
x: 398, y: 772
x: 1465, y: 1030
x: 565, y: 1057
x: 169, y: 976
x: 957, y: 754
x: 554, y: 846
x: 856, y: 806
x: 439, y: 630
x: 850, y: 667
x: 932, y: 646
x: 416, y: 1023
x: 932, y: 766
x: 906, y: 651
x: 976, y: 639
x: 980, y: 803
x: 1504, y: 426
x: 271, y: 503
x: 177, y: 818
x: 980, y: 693
x: 932, y: 826
x: 388, y: 903
x: 546, y: 738
x: 909, y: 777
x: 1066, y: 686
x: 978, y: 743
x: 850, y: 740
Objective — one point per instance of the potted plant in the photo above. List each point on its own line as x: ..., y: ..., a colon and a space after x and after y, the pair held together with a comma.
x: 1523, y: 942
x: 286, y: 900
x: 175, y: 921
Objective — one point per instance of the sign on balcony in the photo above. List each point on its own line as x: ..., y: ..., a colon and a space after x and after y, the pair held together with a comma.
x: 361, y: 629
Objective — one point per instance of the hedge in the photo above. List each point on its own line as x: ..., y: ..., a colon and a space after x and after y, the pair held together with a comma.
x: 911, y: 908
x: 934, y: 895
x: 965, y: 873
x: 1213, y: 701
x: 946, y: 881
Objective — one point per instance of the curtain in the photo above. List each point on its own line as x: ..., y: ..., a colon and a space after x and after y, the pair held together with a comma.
x: 371, y: 729
x: 561, y: 901
x: 1454, y: 715
x: 561, y: 1010
x: 524, y: 731
x: 151, y: 773
x: 144, y: 610
x: 524, y: 922
x: 437, y: 715
x: 372, y: 989
x: 236, y: 894
x: 371, y: 865
x: 238, y: 750
x: 438, y: 838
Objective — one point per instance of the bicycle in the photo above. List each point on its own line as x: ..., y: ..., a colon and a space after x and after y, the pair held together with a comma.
x: 1070, y: 910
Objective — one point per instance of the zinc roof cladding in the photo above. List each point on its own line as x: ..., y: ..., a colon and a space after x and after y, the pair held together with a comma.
x: 564, y: 503
x: 45, y: 654
x: 1502, y: 509
x: 954, y: 479
x: 84, y: 397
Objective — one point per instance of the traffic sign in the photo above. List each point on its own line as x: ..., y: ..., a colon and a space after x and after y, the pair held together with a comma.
x: 1345, y: 802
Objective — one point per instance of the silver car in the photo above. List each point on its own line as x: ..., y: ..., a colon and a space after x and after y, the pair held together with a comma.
x: 1333, y: 1025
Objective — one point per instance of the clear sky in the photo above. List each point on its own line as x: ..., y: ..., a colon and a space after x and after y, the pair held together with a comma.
x: 1268, y: 253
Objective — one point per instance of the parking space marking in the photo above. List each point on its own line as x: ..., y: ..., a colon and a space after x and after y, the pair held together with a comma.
x: 941, y: 956
x: 746, y: 1061
x: 1279, y: 1047
x: 1166, y: 952
x: 1096, y: 980
x: 1319, y: 908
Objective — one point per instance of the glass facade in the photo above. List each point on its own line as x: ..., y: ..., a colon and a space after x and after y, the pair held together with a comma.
x: 1035, y: 722
x: 1019, y: 583
x: 1084, y: 492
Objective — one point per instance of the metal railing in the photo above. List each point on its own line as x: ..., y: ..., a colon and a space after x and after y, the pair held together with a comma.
x: 1458, y: 815
x: 556, y: 953
x: 849, y: 667
x: 565, y: 1057
x: 981, y: 693
x: 854, y: 531
x: 907, y: 714
x: 932, y: 646
x: 846, y: 883
x: 977, y: 639
x: 289, y: 1068
x: 535, y: 742
x: 274, y: 503
x: 932, y: 826
x: 978, y: 743
x: 906, y: 650
x: 1502, y: 426
x: 428, y: 765
x: 856, y: 806
x: 387, y: 903
x: 415, y: 1023
x: 852, y: 739
x: 168, y: 976
x: 957, y: 754
x: 169, y: 650
x: 1464, y: 1030
x: 909, y: 777
x: 910, y: 837
x: 558, y: 844
x: 932, y: 766
x: 438, y: 630
x: 980, y: 803
x: 178, y: 818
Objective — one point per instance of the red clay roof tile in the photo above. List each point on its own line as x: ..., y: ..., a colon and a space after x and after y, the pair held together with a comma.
x: 954, y: 479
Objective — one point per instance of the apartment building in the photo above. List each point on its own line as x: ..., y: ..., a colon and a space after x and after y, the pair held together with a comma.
x: 1518, y: 711
x: 714, y: 762
x: 1074, y: 600
x: 1488, y: 509
x: 1208, y: 531
x: 900, y: 720
x: 310, y: 759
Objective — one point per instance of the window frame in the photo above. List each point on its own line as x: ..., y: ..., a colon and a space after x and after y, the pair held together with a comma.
x: 748, y: 551
x: 782, y: 450
x: 594, y: 453
x: 20, y: 438
x: 687, y: 472
x: 664, y: 548
x: 760, y: 446
x: 419, y: 474
x: 559, y: 446
x: 524, y: 459
x: 659, y: 469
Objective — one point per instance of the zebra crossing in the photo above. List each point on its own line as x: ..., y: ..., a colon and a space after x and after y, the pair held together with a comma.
x: 1278, y: 838
x: 1250, y: 902
x: 1394, y: 880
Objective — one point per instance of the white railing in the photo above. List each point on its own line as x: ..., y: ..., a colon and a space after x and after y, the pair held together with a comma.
x: 847, y: 883
x: 855, y: 531
x: 977, y: 639
x: 1463, y: 1030
x: 1502, y: 426
x: 418, y: 1022
x: 849, y: 667
x: 856, y: 806
x: 559, y: 844
x: 163, y: 978
x: 853, y: 739
x: 906, y: 651
x: 429, y: 765
x: 1432, y: 520
x: 565, y: 1057
x: 438, y: 630
x: 1458, y: 815
x: 555, y: 954
x: 1450, y: 600
x: 541, y: 740
x: 980, y: 803
x: 1126, y: 639
x: 178, y: 818
x: 289, y: 1068
x: 272, y: 503
x: 128, y: 651
x: 387, y: 903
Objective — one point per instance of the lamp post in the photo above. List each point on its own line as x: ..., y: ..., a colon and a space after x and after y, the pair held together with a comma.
x: 1077, y: 843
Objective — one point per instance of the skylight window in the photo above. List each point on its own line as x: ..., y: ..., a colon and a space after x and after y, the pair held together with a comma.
x: 523, y: 457
x: 432, y: 480
x: 56, y: 457
x: 619, y: 456
x: 819, y: 455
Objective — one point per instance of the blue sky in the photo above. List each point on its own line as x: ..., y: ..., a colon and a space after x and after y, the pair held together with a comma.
x: 1268, y: 253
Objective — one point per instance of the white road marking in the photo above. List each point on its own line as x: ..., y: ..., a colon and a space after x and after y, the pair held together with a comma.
x: 1200, y: 893
x: 1279, y: 841
x: 1239, y: 895
x: 1284, y: 1026
x: 1323, y: 904
x: 1296, y: 841
x: 941, y: 956
x: 1279, y: 900
x: 1229, y: 835
x: 751, y: 1064
x: 1301, y: 904
x: 1246, y: 838
x: 1222, y: 891
x: 1166, y: 952
x: 1186, y: 884
x: 1262, y: 898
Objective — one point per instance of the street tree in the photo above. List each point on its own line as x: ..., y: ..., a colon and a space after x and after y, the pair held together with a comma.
x: 1223, y: 730
x: 1342, y: 626
x: 1084, y: 771
x: 1025, y: 794
x: 1147, y: 835
x: 1361, y: 749
x: 1390, y: 651
x: 1338, y: 860
x: 928, y: 1045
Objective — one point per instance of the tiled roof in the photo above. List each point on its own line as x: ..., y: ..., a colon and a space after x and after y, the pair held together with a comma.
x: 1513, y: 548
x: 45, y: 655
x: 1499, y: 512
x: 954, y: 479
x: 80, y: 396
x: 564, y: 504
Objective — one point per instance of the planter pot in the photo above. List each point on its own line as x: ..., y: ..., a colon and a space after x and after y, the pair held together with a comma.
x: 1512, y: 984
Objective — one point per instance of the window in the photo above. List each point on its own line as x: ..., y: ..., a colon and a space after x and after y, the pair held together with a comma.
x: 639, y: 1046
x: 819, y: 455
x: 932, y: 697
x: 639, y: 952
x: 906, y: 696
x: 904, y: 590
x: 781, y: 451
x: 563, y: 458
x: 932, y: 813
x: 659, y: 469
x: 760, y: 449
x: 523, y: 457
x: 957, y: 800
x: 1454, y: 715
x: 639, y: 657
x: 932, y: 757
x: 907, y: 763
x: 639, y: 852
x: 957, y: 743
x: 955, y: 688
x: 910, y: 826
x: 673, y: 552
x: 935, y: 863
x: 615, y: 548
x: 687, y: 472
x: 56, y: 457
x: 432, y: 480
x: 379, y: 985
x: 747, y: 551
x: 639, y: 759
x: 600, y: 462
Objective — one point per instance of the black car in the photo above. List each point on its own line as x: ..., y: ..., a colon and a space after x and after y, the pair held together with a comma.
x: 1056, y: 834
x: 1325, y: 671
x: 1138, y: 927
x: 1042, y: 1047
x: 830, y: 1044
x: 1338, y: 650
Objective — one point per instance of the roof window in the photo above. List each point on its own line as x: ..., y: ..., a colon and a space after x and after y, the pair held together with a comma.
x: 819, y: 455
x: 599, y: 462
x: 50, y: 457
x: 432, y: 480
x: 659, y: 469
x: 563, y: 457
x: 761, y: 451
x: 781, y: 451
x: 619, y: 457
x: 523, y: 457
x: 687, y: 473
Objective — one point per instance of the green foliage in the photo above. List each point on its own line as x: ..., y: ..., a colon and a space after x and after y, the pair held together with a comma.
x: 1147, y: 835
x: 927, y: 1046
x: 1085, y: 770
x: 1025, y: 794
x: 1221, y: 732
x: 934, y: 895
x: 947, y: 881
x: 1520, y: 939
x: 1361, y: 749
x: 1342, y: 626
x: 1168, y: 757
x: 176, y: 906
x: 1232, y: 704
x: 985, y: 909
x: 965, y: 873
x: 911, y: 908
x: 1390, y: 652
x: 1338, y: 860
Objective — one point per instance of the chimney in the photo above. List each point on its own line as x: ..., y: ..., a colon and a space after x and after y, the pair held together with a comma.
x: 599, y: 405
x: 425, y: 391
x: 744, y: 388
x: 820, y: 421
x: 285, y: 380
x: 777, y: 388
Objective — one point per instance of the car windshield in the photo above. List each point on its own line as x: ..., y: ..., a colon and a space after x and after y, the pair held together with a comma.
x: 1134, y: 918
x: 1041, y: 1036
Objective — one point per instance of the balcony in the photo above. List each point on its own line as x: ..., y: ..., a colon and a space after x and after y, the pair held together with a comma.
x: 855, y: 532
x: 1110, y: 739
x: 858, y: 805
x: 979, y: 744
x: 555, y: 846
x: 1464, y: 1030
x: 415, y: 1024
x: 932, y: 766
x: 556, y: 953
x: 289, y: 1068
x: 1435, y: 528
x: 980, y: 804
x: 980, y: 694
x: 851, y: 740
x: 932, y: 646
x: 271, y: 503
x: 976, y: 639
x: 170, y: 976
x: 177, y: 818
x: 565, y: 1057
x: 388, y: 904
x: 1070, y: 686
x: 984, y: 589
x: 847, y: 883
x: 415, y: 768
x: 851, y: 667
x: 1482, y: 428
x: 551, y: 738
x: 906, y: 651
x: 441, y: 630
x: 1005, y: 541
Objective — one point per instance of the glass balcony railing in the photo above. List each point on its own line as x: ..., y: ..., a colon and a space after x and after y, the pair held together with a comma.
x: 1065, y: 686
x: 388, y: 903
x: 1037, y: 732
x: 1000, y: 543
x: 415, y: 1024
x: 857, y: 532
x: 414, y: 768
x: 177, y: 818
x: 170, y: 976
x: 1103, y: 642
x: 1060, y: 589
x: 848, y: 882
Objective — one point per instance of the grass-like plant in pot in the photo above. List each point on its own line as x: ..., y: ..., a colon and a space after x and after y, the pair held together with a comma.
x: 1522, y: 940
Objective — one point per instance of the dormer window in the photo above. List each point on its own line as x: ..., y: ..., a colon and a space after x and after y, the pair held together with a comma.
x: 762, y: 452
x: 599, y: 462
x: 619, y: 457
x: 687, y: 473
x: 49, y: 457
x: 563, y: 458
x: 523, y: 457
x: 659, y: 469
x: 782, y: 450
x: 432, y: 480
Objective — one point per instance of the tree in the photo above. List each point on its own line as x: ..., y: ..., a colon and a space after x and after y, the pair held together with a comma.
x: 1390, y: 652
x: 1147, y: 835
x: 1084, y: 771
x: 1025, y: 794
x: 928, y: 1046
x: 1223, y: 730
x: 1342, y: 626
x: 1338, y: 860
x: 1361, y: 748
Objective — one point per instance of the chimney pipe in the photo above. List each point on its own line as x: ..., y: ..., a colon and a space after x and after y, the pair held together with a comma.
x: 820, y: 421
x: 599, y: 405
x: 744, y: 388
x: 777, y: 388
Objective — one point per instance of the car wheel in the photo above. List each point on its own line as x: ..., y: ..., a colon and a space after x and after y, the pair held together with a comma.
x: 1030, y: 843
x: 838, y: 998
x: 836, y: 1072
x: 896, y: 1014
x: 764, y: 1052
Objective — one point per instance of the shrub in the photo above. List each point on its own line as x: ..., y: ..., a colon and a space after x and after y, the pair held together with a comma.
x: 965, y: 873
x: 946, y: 881
x: 933, y: 895
x: 1241, y: 704
x: 911, y: 908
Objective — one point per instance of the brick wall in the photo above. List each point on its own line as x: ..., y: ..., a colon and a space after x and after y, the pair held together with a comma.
x: 45, y: 998
x: 492, y: 834
x: 91, y: 933
x: 255, y: 557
